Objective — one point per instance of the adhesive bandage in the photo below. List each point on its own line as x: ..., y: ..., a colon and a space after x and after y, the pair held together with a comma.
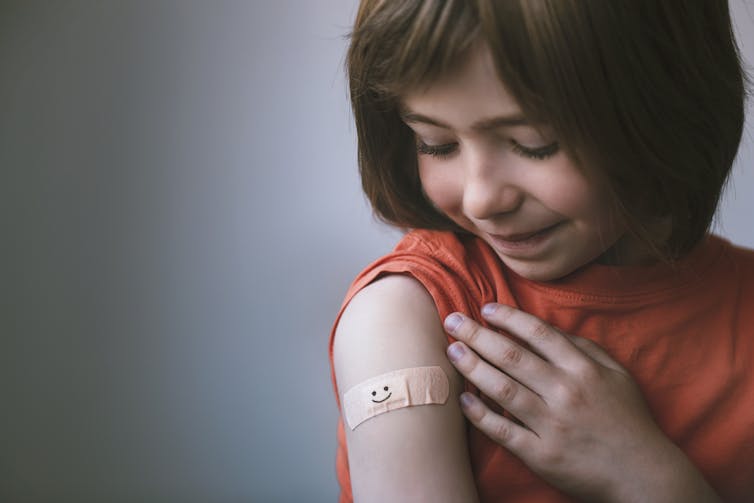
x: 395, y: 390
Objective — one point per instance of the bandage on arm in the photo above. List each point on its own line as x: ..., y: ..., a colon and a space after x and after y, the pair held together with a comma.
x: 409, y: 453
x: 394, y: 390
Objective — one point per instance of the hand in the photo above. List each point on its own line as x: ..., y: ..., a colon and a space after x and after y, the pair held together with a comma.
x: 583, y: 424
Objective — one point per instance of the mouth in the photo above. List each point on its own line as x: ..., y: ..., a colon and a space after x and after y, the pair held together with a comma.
x: 380, y: 401
x: 521, y: 241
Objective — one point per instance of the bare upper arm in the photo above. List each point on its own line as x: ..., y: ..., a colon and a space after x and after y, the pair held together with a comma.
x: 413, y: 453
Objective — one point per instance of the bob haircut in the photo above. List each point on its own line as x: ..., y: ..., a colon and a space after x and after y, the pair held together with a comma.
x: 647, y: 95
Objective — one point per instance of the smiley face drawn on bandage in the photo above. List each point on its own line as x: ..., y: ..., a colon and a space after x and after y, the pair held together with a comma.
x: 385, y: 389
x: 395, y: 390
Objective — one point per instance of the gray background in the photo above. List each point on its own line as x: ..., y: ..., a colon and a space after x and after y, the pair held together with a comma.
x: 181, y: 216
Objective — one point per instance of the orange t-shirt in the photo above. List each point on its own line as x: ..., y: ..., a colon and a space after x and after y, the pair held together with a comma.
x: 686, y: 334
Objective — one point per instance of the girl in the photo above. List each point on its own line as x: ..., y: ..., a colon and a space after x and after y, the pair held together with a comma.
x: 559, y: 163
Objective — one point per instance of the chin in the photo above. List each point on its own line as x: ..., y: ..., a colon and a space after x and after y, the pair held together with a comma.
x: 540, y: 272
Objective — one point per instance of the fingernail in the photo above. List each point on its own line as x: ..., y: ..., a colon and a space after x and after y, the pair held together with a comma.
x: 466, y: 399
x: 488, y: 309
x: 453, y: 321
x: 456, y: 351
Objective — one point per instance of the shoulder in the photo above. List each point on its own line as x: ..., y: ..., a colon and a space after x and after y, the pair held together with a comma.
x: 741, y: 254
x: 391, y: 323
x: 458, y: 270
x: 738, y: 260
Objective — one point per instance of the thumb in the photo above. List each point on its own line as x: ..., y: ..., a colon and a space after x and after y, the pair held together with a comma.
x: 595, y: 351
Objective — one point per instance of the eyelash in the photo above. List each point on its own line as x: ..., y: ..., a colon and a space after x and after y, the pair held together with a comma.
x: 538, y: 154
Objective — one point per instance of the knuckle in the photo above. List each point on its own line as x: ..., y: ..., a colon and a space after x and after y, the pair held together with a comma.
x: 473, y: 332
x: 502, y: 432
x: 512, y: 356
x: 587, y: 372
x: 541, y: 330
x: 504, y: 313
x: 504, y: 392
x: 475, y: 413
x: 470, y: 364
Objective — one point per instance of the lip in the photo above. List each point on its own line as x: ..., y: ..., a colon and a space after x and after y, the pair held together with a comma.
x: 522, y: 242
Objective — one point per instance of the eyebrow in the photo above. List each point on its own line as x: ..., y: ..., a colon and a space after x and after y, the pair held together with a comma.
x: 483, y: 125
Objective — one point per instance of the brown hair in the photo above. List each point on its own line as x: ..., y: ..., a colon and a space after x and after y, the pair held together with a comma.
x: 648, y: 92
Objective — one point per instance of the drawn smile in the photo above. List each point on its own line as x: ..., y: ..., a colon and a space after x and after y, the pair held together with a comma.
x: 380, y: 401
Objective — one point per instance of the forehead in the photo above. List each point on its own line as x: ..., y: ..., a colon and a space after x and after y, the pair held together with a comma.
x: 469, y: 94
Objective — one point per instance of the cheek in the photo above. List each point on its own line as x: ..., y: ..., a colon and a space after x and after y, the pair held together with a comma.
x: 586, y: 204
x: 565, y: 189
x: 440, y: 185
x: 568, y: 198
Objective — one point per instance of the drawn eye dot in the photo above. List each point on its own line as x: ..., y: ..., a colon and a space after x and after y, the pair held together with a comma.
x: 385, y: 388
x: 374, y: 393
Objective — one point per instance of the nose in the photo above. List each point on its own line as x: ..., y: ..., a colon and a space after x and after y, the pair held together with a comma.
x: 489, y: 189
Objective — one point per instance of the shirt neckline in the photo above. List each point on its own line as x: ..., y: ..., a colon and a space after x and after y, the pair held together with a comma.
x: 615, y: 283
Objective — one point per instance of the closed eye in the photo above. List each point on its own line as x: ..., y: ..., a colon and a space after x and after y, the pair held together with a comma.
x: 539, y: 153
x: 435, y: 150
x: 445, y: 150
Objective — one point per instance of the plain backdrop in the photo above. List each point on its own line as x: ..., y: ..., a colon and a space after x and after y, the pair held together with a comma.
x: 181, y: 217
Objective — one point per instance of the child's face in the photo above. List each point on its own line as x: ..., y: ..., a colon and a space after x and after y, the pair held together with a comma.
x: 500, y: 178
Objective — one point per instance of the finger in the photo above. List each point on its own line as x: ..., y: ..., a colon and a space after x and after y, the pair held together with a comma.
x: 503, y: 353
x: 542, y: 337
x: 500, y: 429
x: 595, y: 351
x: 503, y: 389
